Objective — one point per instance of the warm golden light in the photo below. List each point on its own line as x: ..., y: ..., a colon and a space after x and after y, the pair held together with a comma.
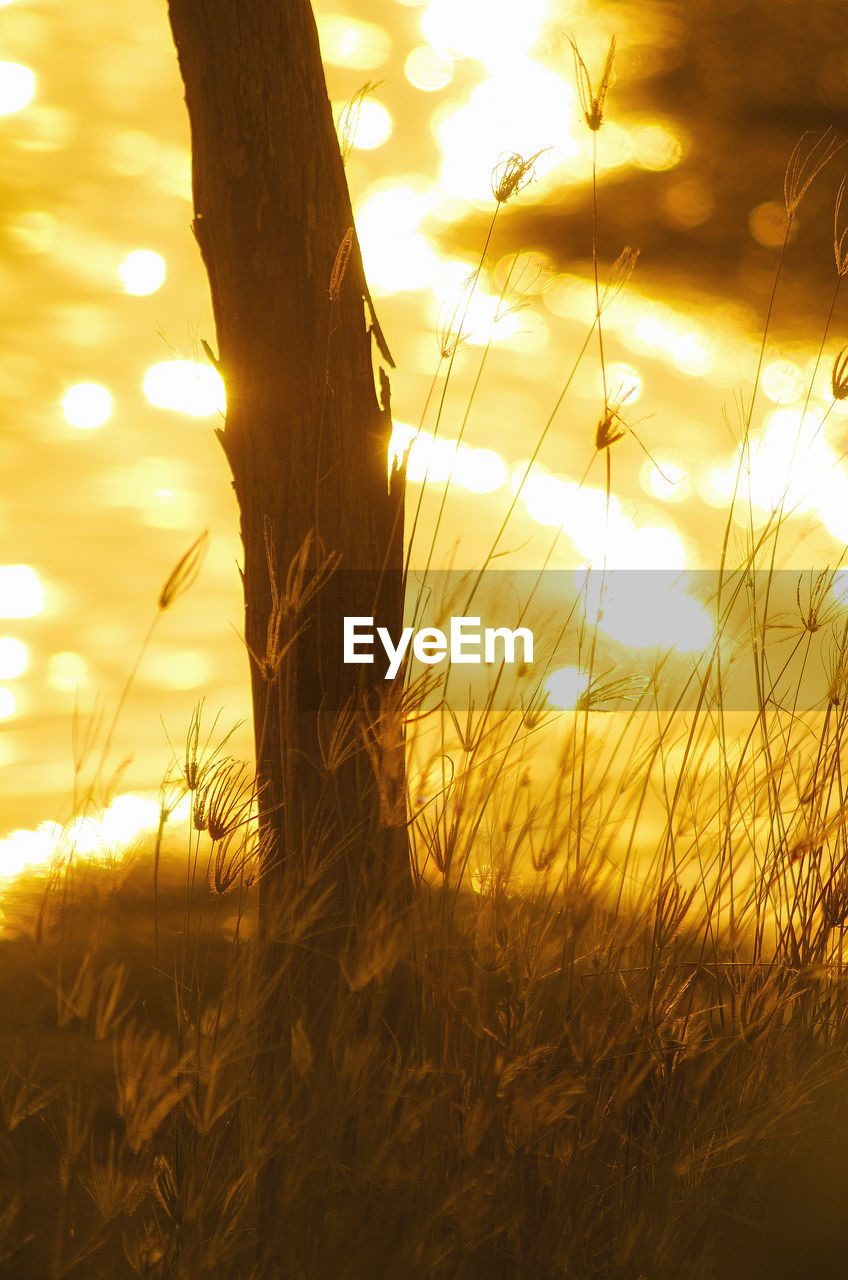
x: 767, y: 224
x: 17, y: 87
x: 623, y: 383
x: 653, y: 146
x: 142, y: 271
x: 133, y: 151
x: 28, y: 850
x: 350, y: 42
x: 106, y: 837
x: 34, y: 230
x: 396, y: 255
x: 479, y: 470
x: 493, y: 31
x: 187, y: 386
x: 427, y: 69
x: 8, y: 704
x: 67, y: 671
x: 13, y: 658
x: 601, y: 532
x: 46, y: 128
x: 692, y: 355
x: 783, y: 382
x: 373, y: 124
x: 21, y: 593
x: 86, y: 405
x: 664, y: 478
x: 526, y: 110
x: 180, y: 668
x: 102, y: 838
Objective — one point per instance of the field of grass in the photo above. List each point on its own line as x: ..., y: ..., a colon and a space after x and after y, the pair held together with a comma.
x: 606, y: 1035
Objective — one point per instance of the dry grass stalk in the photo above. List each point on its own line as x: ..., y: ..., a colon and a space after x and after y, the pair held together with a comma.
x: 811, y: 154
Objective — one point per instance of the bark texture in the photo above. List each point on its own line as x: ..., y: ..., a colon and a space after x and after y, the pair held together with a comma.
x: 306, y: 435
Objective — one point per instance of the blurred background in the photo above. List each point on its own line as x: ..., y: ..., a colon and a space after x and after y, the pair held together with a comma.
x: 109, y: 462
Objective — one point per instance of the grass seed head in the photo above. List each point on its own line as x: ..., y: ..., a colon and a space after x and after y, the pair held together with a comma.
x: 450, y: 335
x: 349, y: 118
x: 622, y: 270
x: 337, y: 275
x: 512, y: 174
x: 811, y: 153
x: 607, y: 433
x: 840, y: 237
x: 592, y: 102
x: 229, y: 798
x: 235, y: 862
x: 839, y: 376
x: 838, y: 681
x: 184, y: 573
x: 813, y: 609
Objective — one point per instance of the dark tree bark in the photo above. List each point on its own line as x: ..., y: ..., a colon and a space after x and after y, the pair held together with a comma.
x: 306, y: 438
x: 305, y: 435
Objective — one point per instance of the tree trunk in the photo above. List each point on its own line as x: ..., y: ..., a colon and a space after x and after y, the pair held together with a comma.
x: 307, y: 440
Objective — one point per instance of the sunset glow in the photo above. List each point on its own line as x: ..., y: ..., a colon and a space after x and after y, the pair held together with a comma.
x: 186, y: 386
x: 423, y: 640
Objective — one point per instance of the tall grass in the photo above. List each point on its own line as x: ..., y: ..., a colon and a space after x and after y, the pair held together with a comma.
x: 608, y: 1038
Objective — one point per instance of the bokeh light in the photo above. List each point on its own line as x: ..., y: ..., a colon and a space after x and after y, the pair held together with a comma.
x: 527, y: 110
x: 767, y: 224
x: 21, y: 592
x: 783, y: 381
x: 8, y: 704
x: 187, y: 386
x: 67, y: 671
x: 427, y: 69
x: 373, y: 125
x: 623, y: 382
x: 28, y: 849
x: 13, y: 658
x: 396, y: 255
x: 107, y: 836
x: 494, y: 31
x: 86, y: 405
x: 479, y: 470
x: 171, y: 668
x: 17, y: 87
x: 665, y: 478
x: 142, y: 271
x: 692, y: 355
x: 655, y: 146
x: 350, y: 42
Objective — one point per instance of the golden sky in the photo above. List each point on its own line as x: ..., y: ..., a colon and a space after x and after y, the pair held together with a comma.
x: 109, y: 460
